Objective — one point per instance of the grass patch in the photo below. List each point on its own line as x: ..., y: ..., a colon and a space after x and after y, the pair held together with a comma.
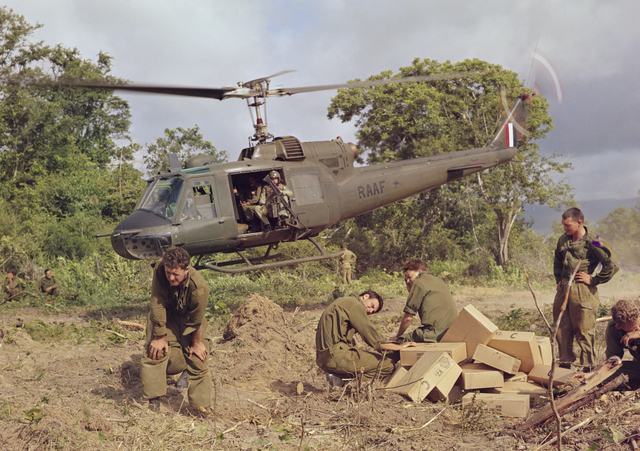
x: 521, y: 320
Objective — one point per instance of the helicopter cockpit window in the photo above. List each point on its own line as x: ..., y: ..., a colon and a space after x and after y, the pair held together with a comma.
x: 203, y: 199
x: 190, y: 211
x: 164, y: 197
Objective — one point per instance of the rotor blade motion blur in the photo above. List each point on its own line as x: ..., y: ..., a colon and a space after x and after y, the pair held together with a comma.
x: 364, y: 84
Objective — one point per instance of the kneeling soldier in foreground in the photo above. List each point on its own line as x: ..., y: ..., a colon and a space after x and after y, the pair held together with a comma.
x: 623, y: 332
x: 336, y: 350
x: 176, y: 331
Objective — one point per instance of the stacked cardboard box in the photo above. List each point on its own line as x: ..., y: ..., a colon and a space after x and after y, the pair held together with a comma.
x: 521, y: 345
x: 509, y: 367
x: 472, y: 328
x: 409, y: 356
x: 433, y: 376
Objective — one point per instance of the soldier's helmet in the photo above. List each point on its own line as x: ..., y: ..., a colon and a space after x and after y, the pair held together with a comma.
x: 274, y: 175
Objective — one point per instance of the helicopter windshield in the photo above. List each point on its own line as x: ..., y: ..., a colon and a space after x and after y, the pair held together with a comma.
x: 164, y: 197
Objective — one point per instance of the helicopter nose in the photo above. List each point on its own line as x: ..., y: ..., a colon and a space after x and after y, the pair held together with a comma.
x: 143, y: 235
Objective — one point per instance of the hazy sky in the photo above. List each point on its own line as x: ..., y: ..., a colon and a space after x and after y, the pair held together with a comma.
x: 592, y: 47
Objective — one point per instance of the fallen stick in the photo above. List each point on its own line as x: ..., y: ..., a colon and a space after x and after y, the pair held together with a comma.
x: 130, y: 324
x: 604, y: 318
x: 622, y: 379
x: 110, y: 331
x: 19, y: 294
x: 421, y: 427
x: 585, y: 422
x: 597, y: 376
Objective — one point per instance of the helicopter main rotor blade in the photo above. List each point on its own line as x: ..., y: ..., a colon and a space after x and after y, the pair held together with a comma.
x: 210, y: 93
x: 363, y: 84
x: 244, y: 92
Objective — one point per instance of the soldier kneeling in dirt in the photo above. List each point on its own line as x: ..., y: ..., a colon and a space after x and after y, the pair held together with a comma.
x: 623, y: 332
x: 336, y: 351
x: 176, y: 331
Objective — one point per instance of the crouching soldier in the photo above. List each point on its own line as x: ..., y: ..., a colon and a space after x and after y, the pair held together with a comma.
x: 13, y: 287
x: 336, y: 351
x: 49, y: 284
x: 623, y: 332
x: 176, y: 331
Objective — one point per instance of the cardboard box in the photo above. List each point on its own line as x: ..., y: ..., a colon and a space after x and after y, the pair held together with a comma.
x: 518, y: 377
x: 496, y: 359
x: 396, y: 377
x: 457, y: 351
x: 508, y: 404
x: 434, y: 375
x: 521, y: 345
x: 478, y: 375
x: 540, y: 375
x: 544, y: 344
x: 472, y: 328
x: 538, y: 395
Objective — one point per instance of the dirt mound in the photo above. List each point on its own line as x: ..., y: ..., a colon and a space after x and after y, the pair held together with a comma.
x: 259, y: 345
x: 255, y: 319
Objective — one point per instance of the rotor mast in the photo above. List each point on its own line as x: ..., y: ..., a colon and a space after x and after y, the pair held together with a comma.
x: 260, y: 88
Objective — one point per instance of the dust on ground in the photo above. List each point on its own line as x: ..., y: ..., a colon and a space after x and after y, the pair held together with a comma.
x: 268, y: 392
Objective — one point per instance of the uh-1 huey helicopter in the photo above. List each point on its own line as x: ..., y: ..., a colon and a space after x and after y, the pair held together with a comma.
x: 197, y: 207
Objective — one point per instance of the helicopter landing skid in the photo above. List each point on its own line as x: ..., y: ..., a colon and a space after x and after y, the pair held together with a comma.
x: 249, y: 262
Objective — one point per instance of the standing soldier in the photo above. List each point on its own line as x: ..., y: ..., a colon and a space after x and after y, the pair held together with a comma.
x: 582, y: 307
x: 49, y: 284
x: 346, y: 261
x: 13, y: 286
x: 177, y: 331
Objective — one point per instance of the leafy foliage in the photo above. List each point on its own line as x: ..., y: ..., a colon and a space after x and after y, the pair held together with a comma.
x: 185, y: 143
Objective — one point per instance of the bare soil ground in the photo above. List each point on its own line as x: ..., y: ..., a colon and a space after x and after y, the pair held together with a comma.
x: 84, y: 392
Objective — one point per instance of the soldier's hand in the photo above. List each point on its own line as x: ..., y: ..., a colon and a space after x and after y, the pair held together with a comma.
x: 199, y: 349
x: 583, y: 277
x: 408, y: 344
x: 158, y: 348
x: 630, y: 336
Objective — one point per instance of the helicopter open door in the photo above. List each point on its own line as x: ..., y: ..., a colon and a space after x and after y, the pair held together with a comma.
x: 206, y: 217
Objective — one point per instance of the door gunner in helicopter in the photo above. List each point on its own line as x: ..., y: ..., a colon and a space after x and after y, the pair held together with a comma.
x: 268, y: 196
x: 249, y: 200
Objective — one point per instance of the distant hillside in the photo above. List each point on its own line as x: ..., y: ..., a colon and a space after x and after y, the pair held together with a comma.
x: 593, y: 210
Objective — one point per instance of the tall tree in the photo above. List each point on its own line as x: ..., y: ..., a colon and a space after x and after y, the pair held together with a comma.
x: 419, y: 119
x: 185, y: 143
x: 57, y: 144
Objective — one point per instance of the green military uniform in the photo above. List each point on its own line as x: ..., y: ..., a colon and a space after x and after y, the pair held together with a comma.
x: 264, y: 196
x: 12, y: 288
x: 251, y: 198
x: 582, y: 307
x: 336, y: 350
x: 176, y: 313
x: 431, y: 299
x: 347, y: 261
x: 45, y: 283
x: 631, y: 368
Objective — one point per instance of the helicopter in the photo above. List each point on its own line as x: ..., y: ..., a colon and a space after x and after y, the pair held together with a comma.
x: 197, y: 206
